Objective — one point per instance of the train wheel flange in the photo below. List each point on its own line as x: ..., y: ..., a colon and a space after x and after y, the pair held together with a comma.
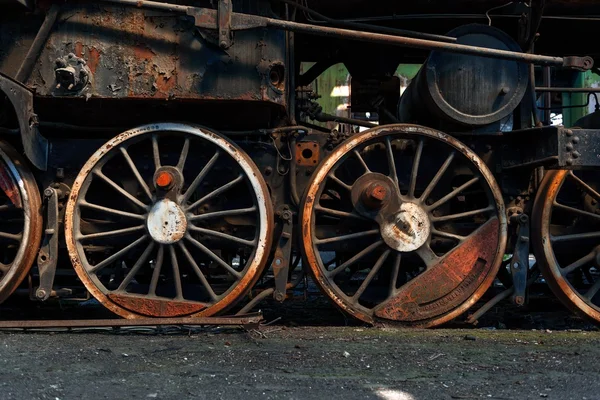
x: 566, y: 232
x: 152, y: 232
x: 403, y: 224
x: 20, y: 220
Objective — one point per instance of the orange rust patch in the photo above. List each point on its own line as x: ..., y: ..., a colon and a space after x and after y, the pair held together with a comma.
x: 78, y: 49
x: 93, y: 59
x: 156, y: 307
x: 143, y: 53
x: 447, y: 284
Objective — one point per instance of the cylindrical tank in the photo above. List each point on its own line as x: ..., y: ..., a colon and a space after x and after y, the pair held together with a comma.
x: 456, y: 91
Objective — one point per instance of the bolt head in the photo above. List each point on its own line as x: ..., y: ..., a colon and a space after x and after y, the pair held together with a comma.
x: 40, y: 293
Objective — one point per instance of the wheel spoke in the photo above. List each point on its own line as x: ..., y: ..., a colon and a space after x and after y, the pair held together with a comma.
x: 437, y: 178
x: 585, y: 186
x: 415, y: 169
x: 136, y: 267
x: 346, y: 237
x: 362, y: 160
x: 354, y: 259
x: 463, y: 214
x: 591, y: 292
x: 222, y: 235
x: 395, y: 272
x: 427, y: 255
x: 112, y: 211
x: 225, y: 213
x: 198, y: 272
x: 7, y: 207
x: 339, y: 182
x: 453, y: 194
x: 176, y: 276
x: 574, y: 236
x: 136, y: 173
x: 119, y: 189
x: 391, y: 162
x: 94, y: 269
x: 156, y: 273
x: 217, y: 192
x: 118, y: 232
x: 155, y: 151
x: 578, y: 263
x: 184, y: 154
x: 447, y: 235
x: 11, y: 236
x: 337, y: 213
x: 214, y: 257
x: 371, y: 274
x: 577, y: 211
x: 188, y: 193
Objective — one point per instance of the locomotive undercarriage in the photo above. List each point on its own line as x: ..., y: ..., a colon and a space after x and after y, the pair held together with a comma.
x: 178, y: 204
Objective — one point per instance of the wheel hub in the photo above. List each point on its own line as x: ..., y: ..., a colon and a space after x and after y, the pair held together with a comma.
x: 408, y: 229
x: 166, y: 222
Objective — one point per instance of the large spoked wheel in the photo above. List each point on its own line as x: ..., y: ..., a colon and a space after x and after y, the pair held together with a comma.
x: 20, y: 220
x: 566, y: 227
x: 403, y: 224
x: 169, y: 220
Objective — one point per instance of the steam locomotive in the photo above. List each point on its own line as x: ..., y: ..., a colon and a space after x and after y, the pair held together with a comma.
x: 165, y: 158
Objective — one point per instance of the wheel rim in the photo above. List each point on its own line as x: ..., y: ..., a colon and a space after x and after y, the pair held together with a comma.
x: 20, y: 220
x: 414, y: 277
x: 566, y: 224
x: 187, y: 235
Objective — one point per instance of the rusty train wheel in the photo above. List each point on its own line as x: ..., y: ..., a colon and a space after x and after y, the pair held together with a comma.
x: 566, y: 227
x: 403, y: 224
x: 153, y: 231
x: 20, y: 220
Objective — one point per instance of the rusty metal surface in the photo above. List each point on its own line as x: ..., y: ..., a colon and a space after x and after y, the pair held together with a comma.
x: 551, y: 270
x: 250, y: 320
x: 33, y: 221
x: 463, y: 298
x: 307, y: 154
x: 450, y: 282
x: 139, y: 53
x: 253, y: 271
x: 155, y: 307
x: 9, y: 186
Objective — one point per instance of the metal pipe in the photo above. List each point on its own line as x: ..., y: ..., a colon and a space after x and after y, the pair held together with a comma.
x: 542, y: 89
x: 38, y: 43
x: 322, y: 117
x: 547, y: 96
x: 414, y: 43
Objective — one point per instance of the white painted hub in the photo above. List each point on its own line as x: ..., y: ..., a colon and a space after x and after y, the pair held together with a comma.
x: 408, y: 229
x: 166, y: 222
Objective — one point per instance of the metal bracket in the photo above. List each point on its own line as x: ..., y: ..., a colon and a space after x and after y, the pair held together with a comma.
x: 519, y: 264
x: 48, y: 254
x: 21, y: 98
x: 282, y: 258
x: 578, y: 63
x: 224, y: 11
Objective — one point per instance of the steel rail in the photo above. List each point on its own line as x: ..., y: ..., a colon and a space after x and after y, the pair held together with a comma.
x: 245, y: 320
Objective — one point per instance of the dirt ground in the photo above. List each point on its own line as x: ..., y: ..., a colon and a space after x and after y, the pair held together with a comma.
x: 280, y: 362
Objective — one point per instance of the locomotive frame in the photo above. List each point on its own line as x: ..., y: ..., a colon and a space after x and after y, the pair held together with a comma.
x: 440, y: 203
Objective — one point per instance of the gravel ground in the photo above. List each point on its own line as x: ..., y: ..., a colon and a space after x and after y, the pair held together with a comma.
x: 315, y: 362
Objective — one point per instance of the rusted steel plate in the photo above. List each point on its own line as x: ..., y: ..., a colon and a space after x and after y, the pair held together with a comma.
x: 141, y: 53
x: 9, y: 187
x: 156, y: 307
x: 449, y: 283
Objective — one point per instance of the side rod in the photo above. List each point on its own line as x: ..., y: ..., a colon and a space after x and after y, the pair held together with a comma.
x: 208, y: 19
